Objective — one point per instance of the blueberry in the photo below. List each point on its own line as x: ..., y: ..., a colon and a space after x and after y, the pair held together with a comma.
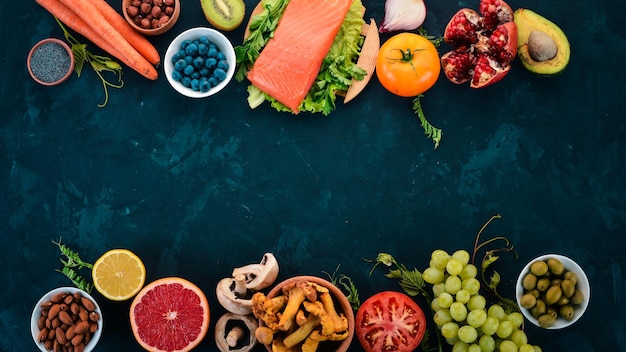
x: 176, y: 57
x: 221, y: 56
x: 204, y: 40
x: 223, y: 64
x: 186, y: 81
x: 189, y: 59
x: 198, y: 62
x: 195, y: 75
x: 192, y: 49
x: 210, y: 63
x: 213, y: 81
x: 219, y: 74
x: 195, y: 84
x: 180, y: 65
x: 205, y: 72
x: 177, y: 76
x: 203, y: 49
x: 185, y: 43
x: 212, y: 51
x: 205, y: 86
x: 189, y: 70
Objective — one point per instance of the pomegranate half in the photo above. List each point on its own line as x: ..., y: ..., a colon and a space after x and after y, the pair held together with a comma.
x: 484, y: 44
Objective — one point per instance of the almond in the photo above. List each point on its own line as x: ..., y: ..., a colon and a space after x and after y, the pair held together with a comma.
x: 60, y: 336
x: 77, y: 339
x: 81, y: 327
x: 54, y: 310
x: 43, y: 335
x: 88, y: 304
x: 58, y: 297
x: 65, y: 317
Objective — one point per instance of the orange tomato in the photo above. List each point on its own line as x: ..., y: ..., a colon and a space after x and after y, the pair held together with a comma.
x: 407, y: 64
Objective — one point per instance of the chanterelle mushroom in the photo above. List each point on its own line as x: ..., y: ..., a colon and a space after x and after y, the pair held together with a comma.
x: 261, y: 275
x: 267, y: 309
x: 297, y: 292
x: 233, y: 296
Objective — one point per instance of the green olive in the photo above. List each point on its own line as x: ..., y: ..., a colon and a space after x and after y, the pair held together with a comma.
x: 543, y: 284
x: 577, y: 297
x: 528, y: 301
x: 568, y: 287
x: 529, y: 282
x: 539, y: 309
x: 555, y: 266
x: 567, y: 312
x: 552, y: 311
x: 546, y: 320
x: 534, y: 292
x: 570, y: 276
x: 539, y: 268
x: 553, y: 295
x: 563, y: 301
x: 556, y: 282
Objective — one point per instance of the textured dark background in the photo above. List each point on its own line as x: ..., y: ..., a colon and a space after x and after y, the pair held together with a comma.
x: 197, y: 187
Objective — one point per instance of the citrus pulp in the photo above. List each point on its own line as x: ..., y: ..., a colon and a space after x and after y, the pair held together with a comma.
x: 118, y: 274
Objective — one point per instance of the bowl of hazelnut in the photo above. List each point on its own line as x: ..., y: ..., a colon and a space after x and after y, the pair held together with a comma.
x: 151, y: 17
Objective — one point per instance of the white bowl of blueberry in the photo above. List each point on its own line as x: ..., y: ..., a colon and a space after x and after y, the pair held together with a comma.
x: 199, y: 62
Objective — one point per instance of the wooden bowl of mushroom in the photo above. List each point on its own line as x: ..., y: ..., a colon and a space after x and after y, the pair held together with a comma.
x: 304, y: 313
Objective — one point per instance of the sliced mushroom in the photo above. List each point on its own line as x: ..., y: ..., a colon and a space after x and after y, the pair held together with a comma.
x: 259, y: 276
x: 233, y: 295
x: 240, y: 337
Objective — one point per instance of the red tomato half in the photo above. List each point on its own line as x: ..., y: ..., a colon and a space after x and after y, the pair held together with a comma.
x: 390, y: 321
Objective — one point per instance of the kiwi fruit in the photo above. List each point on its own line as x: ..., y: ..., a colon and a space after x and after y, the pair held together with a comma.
x: 224, y: 14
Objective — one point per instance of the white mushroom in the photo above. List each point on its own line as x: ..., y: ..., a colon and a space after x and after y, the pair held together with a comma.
x: 240, y: 337
x: 233, y: 295
x: 259, y: 276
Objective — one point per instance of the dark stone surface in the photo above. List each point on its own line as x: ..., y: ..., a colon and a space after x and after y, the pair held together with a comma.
x: 197, y: 187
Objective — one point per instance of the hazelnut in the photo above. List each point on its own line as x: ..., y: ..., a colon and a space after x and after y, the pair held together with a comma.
x: 132, y: 11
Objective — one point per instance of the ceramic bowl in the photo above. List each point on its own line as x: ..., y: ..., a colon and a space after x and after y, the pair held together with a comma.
x: 151, y: 28
x: 342, y: 305
x: 582, y: 284
x: 37, y: 313
x: 50, y: 62
x: 215, y: 37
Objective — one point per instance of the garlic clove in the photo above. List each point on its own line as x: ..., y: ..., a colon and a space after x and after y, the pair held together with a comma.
x: 403, y: 15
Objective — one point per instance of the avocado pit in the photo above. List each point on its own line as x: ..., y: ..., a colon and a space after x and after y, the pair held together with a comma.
x: 541, y: 46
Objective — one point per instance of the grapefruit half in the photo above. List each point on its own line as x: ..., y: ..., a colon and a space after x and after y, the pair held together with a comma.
x: 170, y: 314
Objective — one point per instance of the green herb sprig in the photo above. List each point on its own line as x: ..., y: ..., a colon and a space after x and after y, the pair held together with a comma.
x: 430, y: 131
x: 100, y: 64
x: 348, y: 285
x: 71, y: 264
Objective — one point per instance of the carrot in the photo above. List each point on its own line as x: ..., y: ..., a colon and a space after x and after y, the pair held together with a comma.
x: 129, y: 55
x: 70, y: 19
x: 138, y: 41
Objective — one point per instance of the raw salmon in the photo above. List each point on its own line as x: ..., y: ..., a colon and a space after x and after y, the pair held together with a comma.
x: 288, y: 65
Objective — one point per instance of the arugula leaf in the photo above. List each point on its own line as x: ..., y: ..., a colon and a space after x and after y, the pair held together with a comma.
x: 429, y: 130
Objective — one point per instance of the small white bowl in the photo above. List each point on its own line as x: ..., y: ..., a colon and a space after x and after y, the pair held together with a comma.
x: 214, y: 36
x: 34, y: 328
x: 582, y: 284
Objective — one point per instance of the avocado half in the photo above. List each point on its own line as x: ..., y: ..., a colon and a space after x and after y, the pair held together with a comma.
x: 528, y: 21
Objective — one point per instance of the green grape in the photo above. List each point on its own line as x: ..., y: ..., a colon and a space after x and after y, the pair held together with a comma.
x: 487, y: 343
x: 434, y: 305
x: 438, y: 288
x: 504, y: 329
x: 453, y: 284
x: 445, y: 300
x: 476, y: 302
x: 519, y: 337
x: 461, y: 255
x: 469, y: 270
x: 449, y: 330
x: 467, y: 334
x: 439, y: 258
x: 458, y: 311
x: 460, y: 346
x: 516, y: 318
x: 463, y: 296
x: 442, y: 316
x: 472, y: 285
x: 526, y: 348
x: 490, y: 326
x: 497, y: 312
x: 454, y: 267
x: 452, y: 341
x: 537, y: 348
x: 476, y: 318
x: 474, y: 348
x: 433, y: 275
x: 508, y: 346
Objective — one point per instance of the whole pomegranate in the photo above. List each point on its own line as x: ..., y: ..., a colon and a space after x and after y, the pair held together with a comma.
x: 485, y: 44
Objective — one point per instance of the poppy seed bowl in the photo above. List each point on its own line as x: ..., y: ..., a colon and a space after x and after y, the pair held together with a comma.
x: 199, y: 62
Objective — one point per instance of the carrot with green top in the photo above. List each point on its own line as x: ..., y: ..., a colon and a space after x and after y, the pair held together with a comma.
x: 134, y: 38
x: 90, y: 14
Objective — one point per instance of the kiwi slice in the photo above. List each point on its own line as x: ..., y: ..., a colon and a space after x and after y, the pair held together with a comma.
x: 224, y: 14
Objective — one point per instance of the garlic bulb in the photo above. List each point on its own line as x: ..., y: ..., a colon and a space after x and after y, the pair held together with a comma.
x: 403, y: 15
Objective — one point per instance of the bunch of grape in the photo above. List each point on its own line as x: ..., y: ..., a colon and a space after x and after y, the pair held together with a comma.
x: 461, y: 312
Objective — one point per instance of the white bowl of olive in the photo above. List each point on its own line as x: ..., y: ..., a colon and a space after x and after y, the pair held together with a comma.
x: 552, y: 291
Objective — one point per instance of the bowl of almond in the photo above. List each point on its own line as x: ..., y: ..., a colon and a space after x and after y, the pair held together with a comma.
x: 66, y: 319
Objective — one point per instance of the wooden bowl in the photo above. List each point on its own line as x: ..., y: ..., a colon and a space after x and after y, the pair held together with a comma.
x: 154, y: 29
x: 341, y: 304
x: 44, y: 62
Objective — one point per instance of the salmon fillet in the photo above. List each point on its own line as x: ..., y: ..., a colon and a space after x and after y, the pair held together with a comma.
x: 288, y: 65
